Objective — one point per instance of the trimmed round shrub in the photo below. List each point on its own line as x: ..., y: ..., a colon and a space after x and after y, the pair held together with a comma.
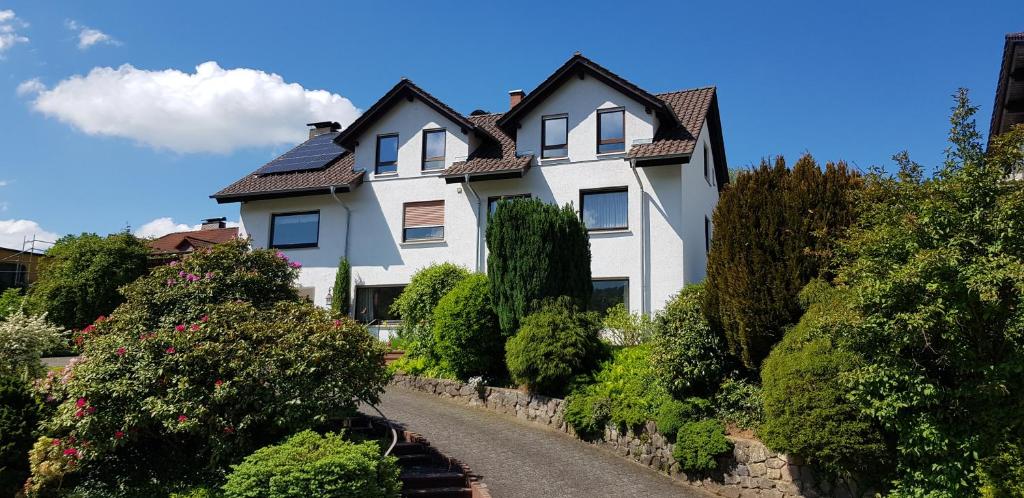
x: 588, y: 411
x: 699, y: 443
x: 690, y: 356
x: 466, y: 334
x: 554, y: 345
x: 806, y: 408
x: 308, y: 464
x: 673, y: 414
x: 415, y: 305
x: 19, y: 415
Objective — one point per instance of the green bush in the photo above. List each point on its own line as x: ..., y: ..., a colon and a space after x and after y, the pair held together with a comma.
x: 10, y: 302
x: 1002, y: 475
x: 466, y: 333
x: 739, y: 402
x: 673, y: 414
x: 689, y: 355
x: 19, y: 416
x: 554, y: 345
x: 807, y: 411
x: 23, y: 340
x: 308, y: 464
x: 81, y: 275
x: 699, y: 443
x: 415, y: 305
x: 340, y: 301
x: 623, y: 328
x: 775, y: 229
x: 587, y: 410
x: 182, y: 291
x: 537, y: 251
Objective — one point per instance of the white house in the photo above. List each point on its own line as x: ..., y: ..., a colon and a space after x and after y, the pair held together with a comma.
x: 411, y: 183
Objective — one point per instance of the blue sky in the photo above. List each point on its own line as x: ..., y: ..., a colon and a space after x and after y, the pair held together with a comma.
x: 91, y: 149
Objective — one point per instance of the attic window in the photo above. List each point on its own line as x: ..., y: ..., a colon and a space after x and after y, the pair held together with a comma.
x: 387, y: 154
x: 554, y: 136
x: 433, y: 150
x: 611, y: 130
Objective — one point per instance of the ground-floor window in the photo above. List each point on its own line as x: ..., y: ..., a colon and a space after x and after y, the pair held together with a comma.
x: 373, y: 304
x: 609, y: 292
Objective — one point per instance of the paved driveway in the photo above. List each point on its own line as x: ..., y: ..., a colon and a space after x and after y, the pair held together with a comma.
x: 519, y: 459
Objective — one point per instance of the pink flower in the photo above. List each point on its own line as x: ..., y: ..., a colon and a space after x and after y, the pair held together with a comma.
x: 171, y: 282
x: 170, y: 350
x: 179, y: 328
x: 337, y: 323
x: 118, y: 434
x: 192, y: 278
x: 181, y: 273
x: 71, y: 452
x: 120, y: 351
x: 205, y: 318
x: 79, y: 414
x: 101, y: 318
x: 282, y: 255
x: 195, y: 327
x: 296, y: 264
x: 209, y: 275
x: 55, y: 442
x: 80, y: 402
x: 90, y: 410
x: 182, y: 419
x: 173, y: 263
x: 218, y: 383
x: 229, y: 430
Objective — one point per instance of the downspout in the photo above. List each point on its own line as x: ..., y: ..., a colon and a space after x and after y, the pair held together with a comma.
x: 643, y: 243
x: 476, y: 213
x: 348, y: 222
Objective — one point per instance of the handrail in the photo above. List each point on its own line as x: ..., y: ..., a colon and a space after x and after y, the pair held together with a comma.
x: 394, y: 433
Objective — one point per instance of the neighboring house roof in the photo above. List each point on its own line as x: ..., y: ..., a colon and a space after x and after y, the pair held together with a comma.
x: 1008, y: 109
x: 491, y: 160
x: 182, y: 242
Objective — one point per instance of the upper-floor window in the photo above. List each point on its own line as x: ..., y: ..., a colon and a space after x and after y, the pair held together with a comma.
x: 492, y: 202
x: 387, y: 154
x: 433, y: 150
x: 707, y: 235
x: 423, y: 221
x: 611, y: 130
x: 604, y: 209
x: 709, y: 172
x: 554, y: 136
x: 292, y: 230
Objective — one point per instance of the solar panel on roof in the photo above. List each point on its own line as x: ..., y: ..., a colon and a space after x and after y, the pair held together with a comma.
x: 314, y: 153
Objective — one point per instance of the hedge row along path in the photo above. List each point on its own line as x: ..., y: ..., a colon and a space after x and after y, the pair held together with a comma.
x: 518, y: 459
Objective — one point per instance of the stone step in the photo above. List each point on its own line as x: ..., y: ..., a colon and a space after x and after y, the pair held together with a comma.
x: 424, y: 480
x: 414, y: 459
x: 449, y: 492
x: 407, y: 448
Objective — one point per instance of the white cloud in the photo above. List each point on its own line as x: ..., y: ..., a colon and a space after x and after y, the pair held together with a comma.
x: 30, y: 87
x: 88, y: 37
x: 211, y: 110
x: 14, y: 232
x: 4, y: 183
x: 163, y: 226
x: 9, y: 37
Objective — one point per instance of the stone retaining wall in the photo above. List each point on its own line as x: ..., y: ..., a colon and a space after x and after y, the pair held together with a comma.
x: 752, y: 470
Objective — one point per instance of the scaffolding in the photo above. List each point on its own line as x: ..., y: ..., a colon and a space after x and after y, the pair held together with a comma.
x: 22, y: 266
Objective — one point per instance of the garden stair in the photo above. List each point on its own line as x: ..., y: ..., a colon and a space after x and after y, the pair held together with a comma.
x: 425, y: 471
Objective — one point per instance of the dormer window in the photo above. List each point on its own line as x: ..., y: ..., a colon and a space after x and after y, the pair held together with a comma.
x: 433, y: 150
x: 387, y: 154
x: 554, y: 136
x: 611, y: 130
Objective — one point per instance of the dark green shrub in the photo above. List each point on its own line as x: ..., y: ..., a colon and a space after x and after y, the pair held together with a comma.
x: 308, y: 465
x: 554, y: 345
x: 10, y: 302
x: 775, y: 229
x: 466, y: 333
x: 588, y: 411
x: 698, y: 444
x: 19, y: 416
x: 80, y: 278
x: 673, y: 414
x: 1002, y: 475
x: 183, y: 291
x: 340, y: 301
x: 689, y: 355
x: 415, y: 305
x: 739, y: 402
x: 537, y: 251
x: 806, y: 408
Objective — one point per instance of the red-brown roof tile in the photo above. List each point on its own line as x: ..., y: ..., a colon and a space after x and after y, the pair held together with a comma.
x: 691, y: 109
x: 179, y: 242
x: 495, y: 156
x: 338, y: 174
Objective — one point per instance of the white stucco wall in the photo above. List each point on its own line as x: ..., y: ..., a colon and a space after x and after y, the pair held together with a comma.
x: 667, y: 204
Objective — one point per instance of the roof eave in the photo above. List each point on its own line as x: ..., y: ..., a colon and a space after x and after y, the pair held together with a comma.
x: 279, y: 194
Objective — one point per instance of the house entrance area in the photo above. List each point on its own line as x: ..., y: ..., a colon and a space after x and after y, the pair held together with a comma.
x: 373, y: 307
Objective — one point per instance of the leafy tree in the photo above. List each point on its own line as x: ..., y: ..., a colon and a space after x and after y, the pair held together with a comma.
x: 342, y: 283
x: 80, y: 278
x: 775, y: 230
x: 935, y: 268
x: 466, y: 333
x: 689, y: 356
x: 537, y: 251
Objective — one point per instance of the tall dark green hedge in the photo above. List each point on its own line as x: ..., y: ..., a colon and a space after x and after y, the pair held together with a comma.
x: 774, y: 230
x: 537, y: 250
x: 80, y: 278
x: 342, y: 284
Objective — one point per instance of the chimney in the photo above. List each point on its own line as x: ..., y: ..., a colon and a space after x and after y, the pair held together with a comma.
x: 214, y: 223
x: 321, y: 127
x: 515, y: 97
